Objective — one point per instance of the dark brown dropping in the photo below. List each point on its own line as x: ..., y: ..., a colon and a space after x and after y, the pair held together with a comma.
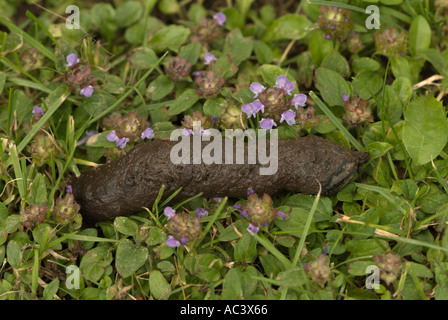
x: 133, y: 181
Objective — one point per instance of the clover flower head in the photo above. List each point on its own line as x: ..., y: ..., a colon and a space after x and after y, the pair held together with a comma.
x: 209, y: 57
x: 72, y: 60
x: 220, y: 18
x: 38, y: 110
x: 288, y: 116
x: 267, y: 123
x: 86, y: 91
x: 282, y: 82
x: 169, y: 212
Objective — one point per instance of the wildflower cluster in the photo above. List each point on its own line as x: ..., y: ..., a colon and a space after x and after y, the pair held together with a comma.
x: 391, y: 42
x: 79, y: 77
x: 206, y: 123
x: 357, y: 111
x: 318, y: 270
x: 390, y: 266
x: 275, y: 104
x: 259, y: 211
x: 183, y: 227
x: 335, y: 22
x: 127, y: 129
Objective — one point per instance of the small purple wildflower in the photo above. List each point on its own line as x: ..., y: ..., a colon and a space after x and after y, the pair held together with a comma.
x: 249, y: 110
x: 148, y: 133
x: 187, y: 132
x: 183, y: 240
x: 68, y: 189
x: 282, y: 82
x: 267, y: 123
x: 121, y: 143
x: 89, y: 134
x: 328, y: 37
x: 87, y: 91
x: 205, y: 132
x: 250, y: 191
x: 257, y: 88
x: 209, y: 57
x: 345, y: 97
x: 299, y: 100
x: 253, y: 229
x: 198, y: 74
x: 38, y: 110
x: 220, y: 17
x: 265, y: 224
x: 244, y: 214
x: 169, y: 212
x: 213, y: 118
x: 112, y: 136
x: 72, y: 60
x: 237, y: 207
x: 288, y: 116
x: 281, y: 214
x: 172, y: 242
x: 326, y: 250
x: 201, y: 212
x: 258, y: 106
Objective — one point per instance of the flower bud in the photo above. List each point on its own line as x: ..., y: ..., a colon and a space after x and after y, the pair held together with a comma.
x: 391, y: 42
x: 335, y: 22
x: 41, y: 149
x: 183, y: 228
x: 33, y: 214
x: 230, y: 119
x: 357, y: 112
x: 178, y: 69
x: 318, y: 270
x: 390, y: 266
x: 210, y: 84
x: 67, y: 211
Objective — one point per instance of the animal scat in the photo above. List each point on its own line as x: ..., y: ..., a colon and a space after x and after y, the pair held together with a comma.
x: 132, y: 182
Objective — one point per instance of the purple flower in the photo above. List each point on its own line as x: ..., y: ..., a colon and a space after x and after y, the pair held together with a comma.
x: 72, y: 60
x: 237, y: 207
x: 112, y: 136
x: 68, y: 189
x: 209, y: 57
x: 148, y: 133
x: 265, y: 224
x: 299, y: 100
x: 88, y: 135
x: 87, y: 91
x: 220, y: 17
x: 198, y: 74
x: 256, y: 88
x: 187, y: 132
x: 184, y: 240
x: 326, y: 250
x: 252, y: 229
x: 244, y: 214
x: 282, y: 82
x: 38, y: 110
x: 172, y: 242
x: 288, y: 116
x: 267, y: 123
x: 201, y: 212
x: 169, y: 212
x: 258, y: 106
x: 281, y: 214
x: 328, y: 37
x: 345, y: 97
x: 205, y: 132
x: 250, y: 191
x: 121, y: 143
x: 249, y: 110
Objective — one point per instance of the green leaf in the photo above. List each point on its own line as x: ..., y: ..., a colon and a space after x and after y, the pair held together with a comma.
x: 95, y: 261
x: 419, y: 35
x: 331, y: 86
x: 377, y: 149
x: 246, y: 249
x: 289, y: 26
x: 319, y: 47
x: 128, y: 13
x: 270, y: 72
x: 159, y: 88
x: 324, y: 210
x: 143, y: 59
x: 14, y: 254
x: 191, y: 52
x: 367, y: 83
x: 425, y: 129
x: 39, y: 189
x: 338, y: 63
x: 51, y: 289
x: 366, y: 247
x: 438, y: 59
x: 129, y: 257
x: 231, y: 287
x: 183, y: 102
x: 295, y: 224
x: 126, y: 226
x: 170, y: 37
x: 239, y: 47
x: 263, y: 52
x: 160, y: 288
x: 100, y: 140
x: 209, y: 267
x: 358, y: 268
x: 215, y: 107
